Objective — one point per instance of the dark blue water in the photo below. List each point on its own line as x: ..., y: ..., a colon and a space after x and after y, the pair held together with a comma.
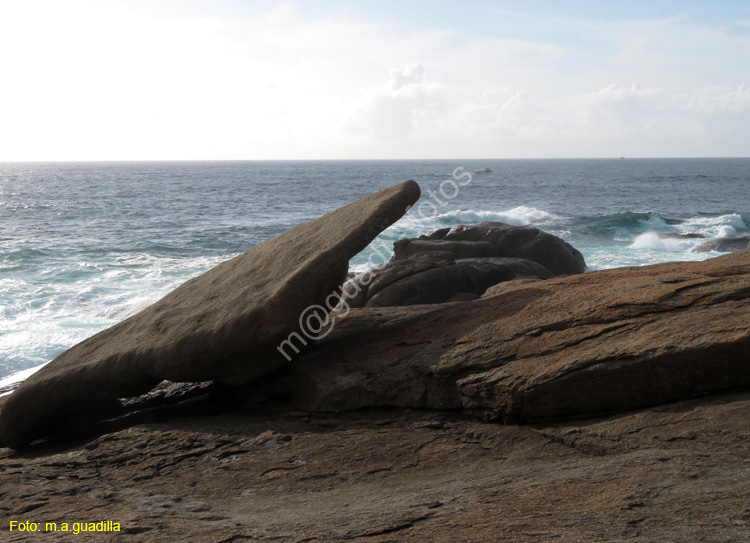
x: 82, y: 246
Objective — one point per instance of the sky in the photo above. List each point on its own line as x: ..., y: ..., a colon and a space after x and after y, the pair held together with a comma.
x: 268, y: 80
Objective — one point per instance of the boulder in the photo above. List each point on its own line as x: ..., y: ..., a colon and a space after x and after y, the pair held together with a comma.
x: 495, y: 239
x: 723, y: 245
x: 433, y: 277
x: 405, y: 248
x: 440, y: 284
x: 360, y: 288
x: 602, y: 342
x: 519, y: 266
x: 679, y: 235
x: 225, y: 325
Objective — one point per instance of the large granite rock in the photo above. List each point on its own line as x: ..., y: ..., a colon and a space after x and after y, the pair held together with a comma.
x: 594, y: 343
x: 496, y: 239
x: 224, y: 325
x: 433, y: 277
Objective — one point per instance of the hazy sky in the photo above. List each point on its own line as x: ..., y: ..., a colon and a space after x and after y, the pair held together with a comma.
x: 232, y: 79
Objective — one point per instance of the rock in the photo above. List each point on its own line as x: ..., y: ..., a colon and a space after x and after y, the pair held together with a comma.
x: 224, y: 325
x: 464, y: 277
x: 679, y: 235
x: 364, y: 285
x: 433, y: 277
x: 463, y: 297
x: 519, y: 266
x: 672, y: 473
x: 495, y: 239
x: 602, y: 342
x: 502, y: 288
x: 723, y: 245
x: 405, y: 248
x: 440, y: 284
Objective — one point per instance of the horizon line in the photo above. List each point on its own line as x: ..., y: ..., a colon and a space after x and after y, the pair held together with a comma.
x: 166, y: 160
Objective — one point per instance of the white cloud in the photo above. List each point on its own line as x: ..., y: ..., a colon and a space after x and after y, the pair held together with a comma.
x: 720, y: 100
x: 400, y: 109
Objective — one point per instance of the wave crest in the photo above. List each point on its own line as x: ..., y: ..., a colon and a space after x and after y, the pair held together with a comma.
x: 518, y: 216
x: 652, y: 241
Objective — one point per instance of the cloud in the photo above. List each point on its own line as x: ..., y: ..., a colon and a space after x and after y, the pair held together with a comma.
x: 401, y: 108
x: 616, y: 112
x: 720, y: 100
x: 412, y: 75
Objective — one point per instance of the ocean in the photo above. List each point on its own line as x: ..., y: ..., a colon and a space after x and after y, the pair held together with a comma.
x: 85, y: 245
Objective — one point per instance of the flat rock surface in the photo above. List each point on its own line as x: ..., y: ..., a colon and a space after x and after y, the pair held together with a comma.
x: 224, y: 325
x: 671, y: 473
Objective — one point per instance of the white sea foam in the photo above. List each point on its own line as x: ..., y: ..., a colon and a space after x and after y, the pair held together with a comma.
x: 708, y: 227
x: 42, y: 320
x: 652, y: 241
x: 359, y: 268
x: 518, y: 216
x: 122, y: 311
x: 727, y: 231
x: 715, y: 227
x: 601, y: 258
x: 8, y: 383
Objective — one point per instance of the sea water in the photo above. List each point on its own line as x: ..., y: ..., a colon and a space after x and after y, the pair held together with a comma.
x: 85, y: 245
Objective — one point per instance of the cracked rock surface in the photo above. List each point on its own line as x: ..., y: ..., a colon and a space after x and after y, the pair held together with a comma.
x: 673, y: 473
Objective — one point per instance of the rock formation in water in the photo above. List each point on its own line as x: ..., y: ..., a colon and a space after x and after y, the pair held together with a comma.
x: 496, y: 239
x: 723, y: 245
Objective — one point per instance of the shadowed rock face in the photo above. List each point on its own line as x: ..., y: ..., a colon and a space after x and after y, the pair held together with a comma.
x: 430, y: 278
x: 600, y: 342
x: 224, y: 325
x: 496, y: 239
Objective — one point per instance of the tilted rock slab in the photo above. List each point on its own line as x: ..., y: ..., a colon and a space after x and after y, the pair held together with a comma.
x: 594, y: 343
x: 224, y: 325
x: 496, y: 239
